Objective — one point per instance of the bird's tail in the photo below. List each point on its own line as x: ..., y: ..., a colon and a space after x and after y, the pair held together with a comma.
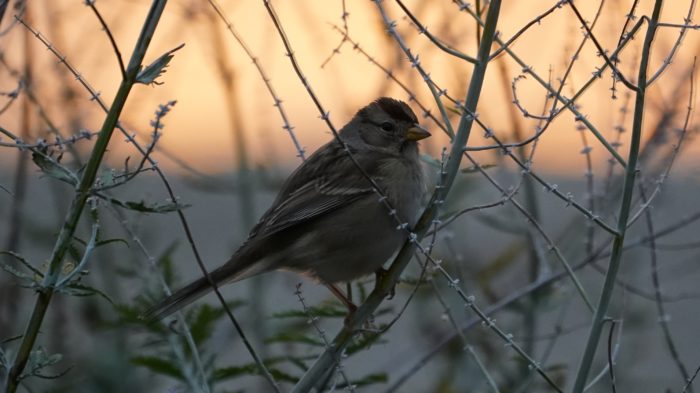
x: 229, y: 272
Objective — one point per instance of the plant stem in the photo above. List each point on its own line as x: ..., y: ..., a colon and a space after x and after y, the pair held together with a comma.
x: 80, y: 198
x: 325, y: 363
x: 625, y: 206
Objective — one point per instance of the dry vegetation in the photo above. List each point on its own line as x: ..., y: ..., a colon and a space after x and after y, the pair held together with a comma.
x: 557, y: 249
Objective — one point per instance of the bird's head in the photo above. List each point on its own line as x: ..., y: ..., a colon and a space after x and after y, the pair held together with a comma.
x: 385, y: 125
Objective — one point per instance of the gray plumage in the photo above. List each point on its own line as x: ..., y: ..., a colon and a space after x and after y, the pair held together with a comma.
x: 327, y: 221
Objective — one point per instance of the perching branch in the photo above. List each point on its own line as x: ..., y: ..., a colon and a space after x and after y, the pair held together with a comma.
x: 326, y: 362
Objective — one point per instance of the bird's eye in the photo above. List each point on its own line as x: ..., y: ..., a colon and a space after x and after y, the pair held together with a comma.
x: 387, y: 126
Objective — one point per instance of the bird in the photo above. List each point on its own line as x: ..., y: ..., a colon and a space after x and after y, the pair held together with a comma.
x: 328, y: 221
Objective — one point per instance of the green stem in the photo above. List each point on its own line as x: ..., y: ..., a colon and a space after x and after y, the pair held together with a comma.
x: 82, y: 193
x: 325, y: 363
x: 625, y: 206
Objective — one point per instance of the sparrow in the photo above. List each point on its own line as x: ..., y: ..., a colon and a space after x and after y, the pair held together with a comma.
x: 328, y: 221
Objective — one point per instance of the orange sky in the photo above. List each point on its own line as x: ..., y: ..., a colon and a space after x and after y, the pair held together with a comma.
x: 198, y: 130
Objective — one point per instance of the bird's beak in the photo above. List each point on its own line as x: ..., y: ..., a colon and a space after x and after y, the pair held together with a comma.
x: 417, y: 133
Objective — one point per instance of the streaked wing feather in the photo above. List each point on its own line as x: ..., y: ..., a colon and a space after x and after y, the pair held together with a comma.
x: 308, y: 206
x: 318, y: 187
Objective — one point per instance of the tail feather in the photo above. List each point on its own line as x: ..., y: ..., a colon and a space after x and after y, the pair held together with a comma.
x: 177, y: 300
x: 229, y: 272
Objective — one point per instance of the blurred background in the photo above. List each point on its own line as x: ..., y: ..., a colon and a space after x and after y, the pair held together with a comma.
x: 226, y: 149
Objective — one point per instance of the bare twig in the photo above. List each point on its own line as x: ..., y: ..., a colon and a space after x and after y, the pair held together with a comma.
x: 663, y: 316
x: 325, y: 362
x: 95, y: 96
x: 611, y: 364
x: 112, y: 41
x: 624, y: 212
x: 74, y: 214
x: 617, y: 74
x: 263, y: 75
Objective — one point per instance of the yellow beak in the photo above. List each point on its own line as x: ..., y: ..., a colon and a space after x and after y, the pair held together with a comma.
x: 417, y: 133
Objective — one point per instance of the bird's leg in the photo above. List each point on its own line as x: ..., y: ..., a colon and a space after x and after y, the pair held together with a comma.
x: 344, y: 299
x: 379, y: 275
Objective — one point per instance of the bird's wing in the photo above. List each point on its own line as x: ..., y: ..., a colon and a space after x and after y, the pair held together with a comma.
x: 326, y: 181
x: 323, y: 183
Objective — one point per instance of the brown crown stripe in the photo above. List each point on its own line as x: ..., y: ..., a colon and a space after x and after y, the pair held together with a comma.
x: 396, y: 109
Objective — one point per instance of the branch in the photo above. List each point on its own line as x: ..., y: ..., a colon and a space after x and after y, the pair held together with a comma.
x: 328, y: 359
x: 82, y: 193
x: 625, y: 207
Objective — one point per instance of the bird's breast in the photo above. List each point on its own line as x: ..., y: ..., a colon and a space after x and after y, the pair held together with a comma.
x: 402, y: 181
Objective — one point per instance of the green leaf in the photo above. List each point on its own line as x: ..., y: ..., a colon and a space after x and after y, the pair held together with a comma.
x: 78, y: 289
x: 165, y: 262
x: 38, y: 360
x: 334, y: 310
x: 23, y: 261
x: 158, y: 366
x: 280, y: 375
x: 132, y: 315
x: 299, y: 362
x: 294, y: 337
x: 201, y: 319
x: 370, y: 379
x: 53, y: 169
x: 149, y: 74
x: 224, y: 373
x: 221, y: 374
x: 202, y: 323
x: 29, y: 281
x: 144, y: 208
x: 108, y: 241
x: 364, y: 341
x: 128, y: 314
